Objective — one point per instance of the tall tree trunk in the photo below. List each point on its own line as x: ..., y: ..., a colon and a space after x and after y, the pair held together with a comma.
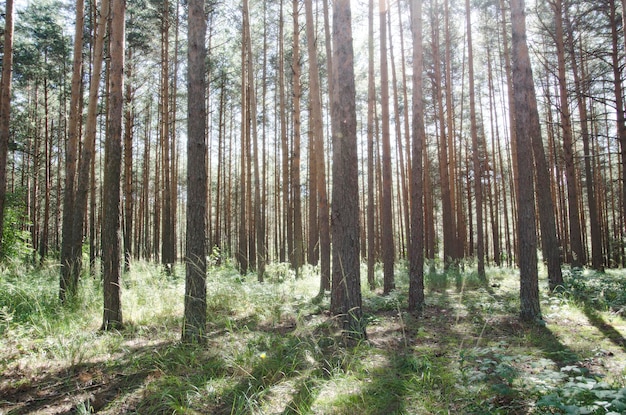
x: 402, y: 194
x: 128, y: 163
x: 167, y: 241
x: 69, y: 272
x: 448, y: 220
x: 527, y: 125
x: 43, y: 244
x: 112, y: 318
x: 346, y: 295
x: 459, y: 237
x: 594, y: 220
x: 295, y: 156
x: 5, y: 108
x: 286, y: 188
x: 416, y: 246
x: 576, y: 241
x: 619, y: 106
x: 194, y: 324
x: 313, y: 235
x: 317, y: 133
x: 476, y: 150
x: 243, y: 252
x: 387, y: 213
x: 89, y: 142
x: 259, y: 219
x: 371, y: 109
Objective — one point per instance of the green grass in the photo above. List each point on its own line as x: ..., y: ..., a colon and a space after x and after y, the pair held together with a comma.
x: 273, y: 348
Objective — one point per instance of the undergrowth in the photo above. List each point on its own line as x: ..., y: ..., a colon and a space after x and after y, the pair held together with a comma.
x: 273, y: 347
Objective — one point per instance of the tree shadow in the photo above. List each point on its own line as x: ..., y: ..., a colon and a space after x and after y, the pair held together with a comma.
x: 610, y: 332
x: 90, y: 385
x: 304, y: 397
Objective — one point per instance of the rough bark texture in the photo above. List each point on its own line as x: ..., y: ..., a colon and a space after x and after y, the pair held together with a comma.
x: 194, y: 325
x: 111, y: 268
x: 69, y: 269
x: 619, y: 106
x: 346, y: 296
x: 387, y: 213
x: 527, y: 125
x: 576, y: 241
x: 371, y: 109
x: 89, y: 142
x: 5, y: 106
x: 477, y: 158
x: 416, y: 246
x: 317, y: 133
x: 298, y: 241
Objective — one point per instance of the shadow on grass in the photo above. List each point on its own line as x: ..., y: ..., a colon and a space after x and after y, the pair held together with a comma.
x: 303, y: 399
x: 596, y: 319
x: 91, y: 386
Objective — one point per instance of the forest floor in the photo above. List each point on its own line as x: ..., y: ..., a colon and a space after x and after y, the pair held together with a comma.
x: 273, y: 348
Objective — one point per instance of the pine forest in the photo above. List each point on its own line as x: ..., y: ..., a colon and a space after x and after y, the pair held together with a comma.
x: 313, y: 206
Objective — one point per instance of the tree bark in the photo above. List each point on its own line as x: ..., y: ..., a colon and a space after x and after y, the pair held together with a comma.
x: 576, y: 241
x: 194, y: 324
x: 5, y: 108
x: 298, y: 242
x: 527, y: 125
x: 476, y: 151
x: 386, y: 201
x: 371, y: 109
x: 69, y: 271
x: 346, y: 295
x: 89, y: 142
x: 318, y: 150
x: 416, y: 246
x: 111, y: 269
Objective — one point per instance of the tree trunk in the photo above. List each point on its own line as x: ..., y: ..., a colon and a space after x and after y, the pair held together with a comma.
x: 69, y: 271
x: 416, y: 246
x: 386, y: 201
x: 112, y: 318
x: 167, y: 232
x: 576, y: 241
x: 5, y: 108
x: 194, y: 325
x: 298, y: 242
x: 286, y: 188
x: 619, y: 106
x: 128, y: 164
x: 371, y: 109
x: 476, y: 151
x: 527, y: 125
x: 243, y: 253
x: 318, y: 150
x: 346, y: 296
x: 89, y: 142
x: 448, y: 220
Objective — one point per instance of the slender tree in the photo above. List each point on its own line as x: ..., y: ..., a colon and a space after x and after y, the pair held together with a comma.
x: 298, y: 248
x: 476, y: 150
x: 317, y: 150
x: 527, y: 125
x: 573, y: 202
x: 371, y: 109
x: 387, y: 213
x: 5, y: 107
x: 194, y: 325
x: 416, y: 246
x: 69, y: 271
x: 89, y: 142
x: 346, y: 294
x: 111, y: 268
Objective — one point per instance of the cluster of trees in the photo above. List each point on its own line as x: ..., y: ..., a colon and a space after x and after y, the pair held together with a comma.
x: 420, y: 135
